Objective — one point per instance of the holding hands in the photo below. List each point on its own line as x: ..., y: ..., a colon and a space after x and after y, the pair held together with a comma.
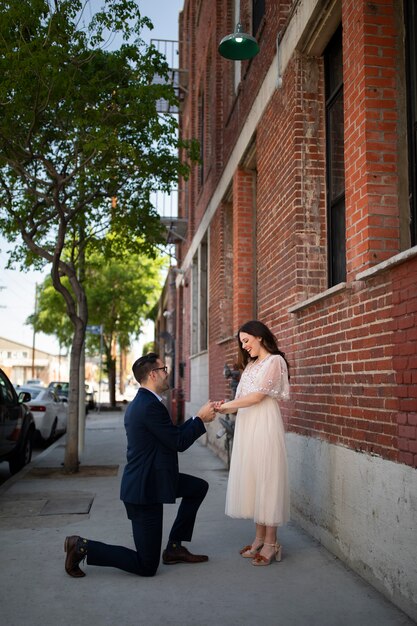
x: 218, y: 407
x: 208, y: 411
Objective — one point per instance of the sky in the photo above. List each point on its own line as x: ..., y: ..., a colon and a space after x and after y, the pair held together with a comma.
x: 17, y: 288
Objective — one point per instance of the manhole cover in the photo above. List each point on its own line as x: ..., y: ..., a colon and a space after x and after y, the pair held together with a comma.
x: 67, y: 506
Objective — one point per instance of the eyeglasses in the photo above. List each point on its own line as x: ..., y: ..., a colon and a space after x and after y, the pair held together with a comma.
x: 165, y: 368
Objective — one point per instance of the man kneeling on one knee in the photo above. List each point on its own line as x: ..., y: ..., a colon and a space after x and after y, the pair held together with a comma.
x: 151, y: 477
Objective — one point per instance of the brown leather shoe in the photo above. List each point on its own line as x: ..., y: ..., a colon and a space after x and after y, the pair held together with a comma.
x: 181, y: 555
x: 76, y: 549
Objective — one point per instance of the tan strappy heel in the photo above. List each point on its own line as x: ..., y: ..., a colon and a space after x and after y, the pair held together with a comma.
x: 248, y: 552
x: 261, y: 560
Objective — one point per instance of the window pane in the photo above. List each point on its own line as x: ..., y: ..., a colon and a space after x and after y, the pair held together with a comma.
x: 335, y: 162
x: 258, y: 11
x: 334, y: 64
x: 410, y: 15
x: 203, y: 296
x: 338, y: 243
x: 336, y: 148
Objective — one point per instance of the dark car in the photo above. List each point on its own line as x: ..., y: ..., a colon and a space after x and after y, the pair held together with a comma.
x: 61, y: 388
x: 17, y: 426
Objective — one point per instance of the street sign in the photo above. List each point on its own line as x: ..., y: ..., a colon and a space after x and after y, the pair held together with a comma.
x: 94, y: 330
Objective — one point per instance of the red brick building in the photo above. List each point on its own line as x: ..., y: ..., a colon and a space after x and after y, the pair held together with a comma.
x: 303, y: 213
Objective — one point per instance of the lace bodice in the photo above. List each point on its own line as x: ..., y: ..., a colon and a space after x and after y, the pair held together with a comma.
x: 269, y: 376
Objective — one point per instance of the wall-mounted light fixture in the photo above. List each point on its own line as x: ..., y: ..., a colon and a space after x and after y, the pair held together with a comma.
x: 238, y: 46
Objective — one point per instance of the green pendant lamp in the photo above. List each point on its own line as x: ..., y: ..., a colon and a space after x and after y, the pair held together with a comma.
x: 238, y: 46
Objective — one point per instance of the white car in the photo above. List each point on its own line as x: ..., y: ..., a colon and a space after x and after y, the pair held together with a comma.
x: 130, y: 391
x: 49, y: 411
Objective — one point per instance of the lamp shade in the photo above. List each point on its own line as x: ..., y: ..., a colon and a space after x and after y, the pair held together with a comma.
x: 238, y: 46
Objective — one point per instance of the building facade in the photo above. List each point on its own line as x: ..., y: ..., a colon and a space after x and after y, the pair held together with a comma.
x: 22, y: 363
x: 302, y: 212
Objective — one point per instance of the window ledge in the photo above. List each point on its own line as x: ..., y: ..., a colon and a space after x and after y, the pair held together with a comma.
x: 402, y: 257
x: 225, y: 340
x: 197, y: 354
x: 320, y: 296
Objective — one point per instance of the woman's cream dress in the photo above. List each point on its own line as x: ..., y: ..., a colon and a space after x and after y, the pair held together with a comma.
x: 258, y: 479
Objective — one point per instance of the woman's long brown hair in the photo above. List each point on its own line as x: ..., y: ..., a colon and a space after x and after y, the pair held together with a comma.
x: 269, y: 342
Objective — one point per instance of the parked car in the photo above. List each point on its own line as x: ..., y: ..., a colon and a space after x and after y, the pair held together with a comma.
x: 35, y: 381
x: 130, y: 391
x: 17, y: 426
x: 49, y: 411
x: 62, y: 389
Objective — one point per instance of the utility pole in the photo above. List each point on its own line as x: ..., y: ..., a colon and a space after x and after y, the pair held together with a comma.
x: 34, y: 331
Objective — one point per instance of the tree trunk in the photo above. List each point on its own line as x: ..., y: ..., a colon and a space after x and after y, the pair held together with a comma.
x: 112, y: 381
x: 71, y: 460
x: 79, y: 319
x: 122, y: 370
x: 76, y: 305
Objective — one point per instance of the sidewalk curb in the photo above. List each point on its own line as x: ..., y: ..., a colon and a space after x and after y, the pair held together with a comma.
x: 14, y: 478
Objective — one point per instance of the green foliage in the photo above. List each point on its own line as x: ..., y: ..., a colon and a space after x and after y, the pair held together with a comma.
x: 148, y: 347
x: 81, y: 147
x: 121, y: 294
x: 78, y: 126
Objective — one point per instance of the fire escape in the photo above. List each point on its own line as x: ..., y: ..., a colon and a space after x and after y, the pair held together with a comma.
x: 167, y: 204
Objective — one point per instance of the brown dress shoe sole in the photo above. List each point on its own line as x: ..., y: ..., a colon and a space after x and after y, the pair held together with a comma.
x: 187, y: 558
x: 75, y: 571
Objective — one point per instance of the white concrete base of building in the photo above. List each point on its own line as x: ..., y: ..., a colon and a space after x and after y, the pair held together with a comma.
x: 199, y: 394
x: 363, y: 509
x: 199, y: 385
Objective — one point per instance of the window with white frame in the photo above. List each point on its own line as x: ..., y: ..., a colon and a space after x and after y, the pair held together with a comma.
x: 199, y: 311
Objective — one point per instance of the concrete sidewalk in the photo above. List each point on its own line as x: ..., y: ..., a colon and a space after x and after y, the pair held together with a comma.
x: 40, y: 506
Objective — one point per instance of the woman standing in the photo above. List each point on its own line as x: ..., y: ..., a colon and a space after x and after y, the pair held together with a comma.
x: 258, y: 478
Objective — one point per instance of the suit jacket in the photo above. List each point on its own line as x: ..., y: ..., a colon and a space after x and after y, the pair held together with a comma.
x: 153, y: 441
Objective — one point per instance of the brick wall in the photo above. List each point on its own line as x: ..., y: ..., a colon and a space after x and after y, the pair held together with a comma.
x: 243, y: 246
x: 220, y: 302
x: 370, y: 40
x: 404, y: 349
x: 344, y: 386
x: 184, y: 317
x: 352, y: 350
x: 352, y: 417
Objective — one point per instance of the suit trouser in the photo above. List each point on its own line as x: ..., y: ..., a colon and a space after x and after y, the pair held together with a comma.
x: 147, y: 531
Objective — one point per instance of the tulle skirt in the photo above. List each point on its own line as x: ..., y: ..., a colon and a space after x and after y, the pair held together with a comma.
x: 258, y: 478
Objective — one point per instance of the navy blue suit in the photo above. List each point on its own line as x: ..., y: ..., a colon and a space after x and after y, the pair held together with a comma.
x: 151, y: 478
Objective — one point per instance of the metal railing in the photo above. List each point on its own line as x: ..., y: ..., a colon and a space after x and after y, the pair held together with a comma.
x: 169, y: 48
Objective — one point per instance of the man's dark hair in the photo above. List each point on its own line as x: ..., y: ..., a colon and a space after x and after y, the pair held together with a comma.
x: 145, y: 364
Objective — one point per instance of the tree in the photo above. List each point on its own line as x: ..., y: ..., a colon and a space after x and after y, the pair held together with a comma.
x: 79, y: 127
x: 121, y: 294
